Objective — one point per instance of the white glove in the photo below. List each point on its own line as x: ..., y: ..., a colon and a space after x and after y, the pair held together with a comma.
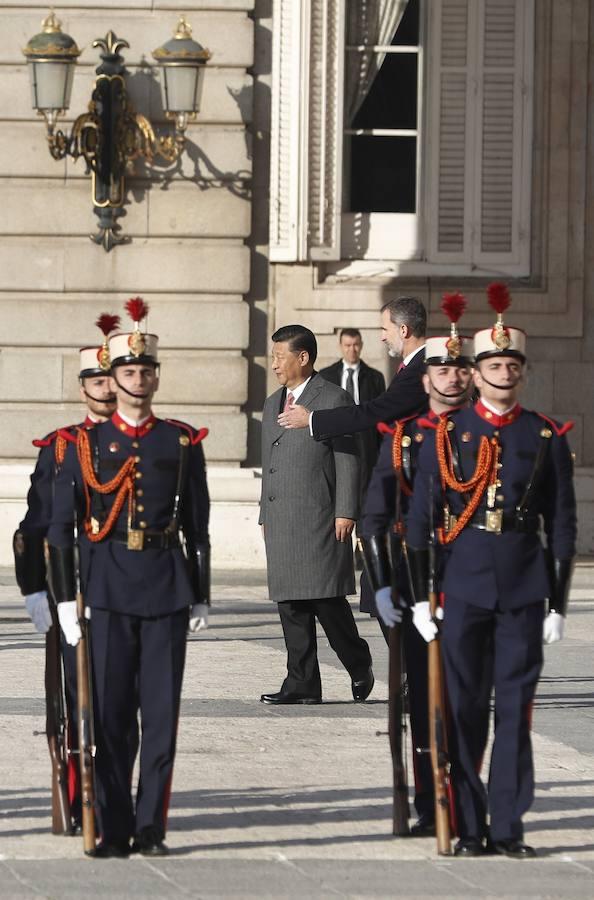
x: 388, y: 613
x: 552, y: 629
x: 198, y: 617
x: 423, y: 622
x: 39, y: 611
x: 69, y: 622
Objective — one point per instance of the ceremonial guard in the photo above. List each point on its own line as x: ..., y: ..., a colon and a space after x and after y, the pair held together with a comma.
x: 133, y: 492
x: 29, y: 556
x: 498, y: 475
x: 448, y: 383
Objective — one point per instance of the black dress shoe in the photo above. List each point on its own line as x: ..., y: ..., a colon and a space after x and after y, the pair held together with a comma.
x: 149, y: 842
x: 511, y: 847
x: 282, y: 697
x: 362, y: 689
x: 111, y: 850
x: 469, y: 847
x: 424, y: 826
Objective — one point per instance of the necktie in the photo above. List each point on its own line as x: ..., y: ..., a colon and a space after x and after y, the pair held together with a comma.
x: 350, y: 383
x: 289, y: 401
x: 400, y: 368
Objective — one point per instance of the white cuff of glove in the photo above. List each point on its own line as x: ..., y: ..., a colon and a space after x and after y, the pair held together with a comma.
x: 552, y: 629
x: 388, y: 613
x: 69, y: 622
x: 198, y: 617
x: 39, y: 611
x: 423, y: 621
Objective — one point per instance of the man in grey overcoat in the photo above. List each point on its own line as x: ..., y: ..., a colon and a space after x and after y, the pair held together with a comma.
x: 308, y: 510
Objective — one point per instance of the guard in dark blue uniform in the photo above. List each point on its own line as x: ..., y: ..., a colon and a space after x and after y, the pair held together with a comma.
x: 137, y: 485
x: 499, y: 476
x: 28, y: 541
x: 448, y: 383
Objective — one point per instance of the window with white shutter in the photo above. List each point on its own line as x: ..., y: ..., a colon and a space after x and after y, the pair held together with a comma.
x: 306, y: 129
x: 457, y: 201
x: 480, y: 127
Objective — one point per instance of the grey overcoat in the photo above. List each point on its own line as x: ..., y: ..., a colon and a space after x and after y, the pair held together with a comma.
x: 306, y: 484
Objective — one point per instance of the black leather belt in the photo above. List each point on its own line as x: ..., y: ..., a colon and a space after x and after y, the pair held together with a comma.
x: 498, y: 522
x: 146, y: 540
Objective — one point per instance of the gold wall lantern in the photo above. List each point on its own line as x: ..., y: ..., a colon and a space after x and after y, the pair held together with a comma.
x: 111, y: 135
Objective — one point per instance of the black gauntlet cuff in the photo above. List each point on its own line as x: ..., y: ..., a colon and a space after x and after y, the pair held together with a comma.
x: 29, y: 562
x: 377, y: 561
x: 61, y: 573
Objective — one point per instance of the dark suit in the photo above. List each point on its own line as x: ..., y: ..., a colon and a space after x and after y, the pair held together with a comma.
x: 405, y: 396
x: 371, y: 385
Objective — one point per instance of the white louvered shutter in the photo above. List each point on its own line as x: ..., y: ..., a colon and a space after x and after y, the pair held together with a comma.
x: 306, y: 129
x: 478, y: 208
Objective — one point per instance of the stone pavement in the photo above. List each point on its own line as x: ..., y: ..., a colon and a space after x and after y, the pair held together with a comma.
x: 292, y: 802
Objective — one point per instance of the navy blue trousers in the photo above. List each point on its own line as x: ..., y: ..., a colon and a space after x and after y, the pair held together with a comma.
x: 515, y: 636
x: 138, y: 665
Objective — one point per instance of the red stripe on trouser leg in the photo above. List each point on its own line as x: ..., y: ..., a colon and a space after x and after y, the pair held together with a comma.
x: 73, y: 772
x: 167, y: 791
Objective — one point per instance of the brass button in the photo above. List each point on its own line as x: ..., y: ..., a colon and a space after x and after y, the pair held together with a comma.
x: 138, y: 474
x: 466, y: 436
x: 498, y: 483
x: 451, y: 425
x: 496, y: 433
x: 149, y: 425
x: 122, y: 426
x: 405, y: 440
x: 500, y: 498
x: 546, y: 433
x: 140, y: 507
x: 142, y: 524
x: 488, y: 415
x: 135, y: 444
x: 499, y: 465
x: 139, y: 492
x: 137, y: 459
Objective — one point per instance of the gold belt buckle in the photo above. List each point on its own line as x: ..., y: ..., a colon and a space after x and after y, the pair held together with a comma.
x: 494, y: 520
x: 135, y: 539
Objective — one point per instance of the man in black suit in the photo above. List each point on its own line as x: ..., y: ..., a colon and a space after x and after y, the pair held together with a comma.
x: 363, y: 383
x: 403, y: 327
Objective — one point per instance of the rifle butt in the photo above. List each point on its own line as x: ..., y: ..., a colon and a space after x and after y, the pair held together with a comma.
x: 55, y: 728
x: 401, y: 810
x: 85, y: 734
x: 61, y: 822
x: 439, y: 750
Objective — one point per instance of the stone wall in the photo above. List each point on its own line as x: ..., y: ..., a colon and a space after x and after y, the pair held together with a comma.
x: 189, y: 223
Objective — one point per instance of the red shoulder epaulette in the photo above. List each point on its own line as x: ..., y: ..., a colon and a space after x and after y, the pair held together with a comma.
x: 46, y: 441
x: 195, y: 435
x: 383, y: 428
x: 428, y: 423
x: 67, y: 433
x: 557, y: 428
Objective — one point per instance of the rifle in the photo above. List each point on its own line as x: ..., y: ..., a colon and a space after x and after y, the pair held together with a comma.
x: 437, y: 718
x: 84, y: 702
x: 396, y: 689
x: 55, y: 727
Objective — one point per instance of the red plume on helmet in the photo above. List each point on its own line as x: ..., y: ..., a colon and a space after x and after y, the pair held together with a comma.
x: 107, y: 323
x: 453, y: 305
x: 499, y: 298
x: 137, y: 309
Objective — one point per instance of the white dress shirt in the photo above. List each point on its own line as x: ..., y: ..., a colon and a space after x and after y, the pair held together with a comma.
x: 345, y: 374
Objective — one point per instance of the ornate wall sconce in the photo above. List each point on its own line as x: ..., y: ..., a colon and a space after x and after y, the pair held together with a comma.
x: 111, y: 135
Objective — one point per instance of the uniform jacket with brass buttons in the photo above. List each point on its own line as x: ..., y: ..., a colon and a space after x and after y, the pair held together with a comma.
x: 505, y: 570
x: 155, y: 581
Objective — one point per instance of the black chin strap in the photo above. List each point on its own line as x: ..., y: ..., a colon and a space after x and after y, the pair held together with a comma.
x: 447, y: 396
x: 111, y: 399
x: 501, y: 387
x: 126, y: 391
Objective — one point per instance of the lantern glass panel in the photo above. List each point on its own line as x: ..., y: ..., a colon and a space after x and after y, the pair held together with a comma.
x: 182, y: 88
x: 51, y: 84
